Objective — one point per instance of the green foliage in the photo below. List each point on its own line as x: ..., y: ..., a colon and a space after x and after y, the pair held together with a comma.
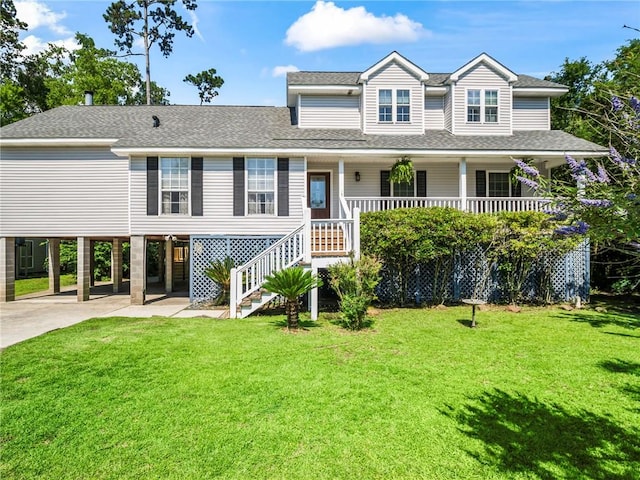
x: 402, y: 171
x: 291, y: 283
x: 206, y: 82
x: 355, y: 284
x: 152, y: 21
x: 521, y: 240
x: 405, y: 238
x: 220, y: 272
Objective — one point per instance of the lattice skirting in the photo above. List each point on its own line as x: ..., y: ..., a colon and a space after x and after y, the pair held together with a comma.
x: 205, y: 249
x: 553, y: 279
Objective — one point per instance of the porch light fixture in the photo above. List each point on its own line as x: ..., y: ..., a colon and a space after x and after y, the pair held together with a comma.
x: 357, y: 176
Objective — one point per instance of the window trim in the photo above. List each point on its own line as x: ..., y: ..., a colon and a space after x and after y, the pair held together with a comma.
x: 161, y: 190
x: 275, y: 187
x: 394, y: 106
x: 508, y: 173
x: 483, y: 106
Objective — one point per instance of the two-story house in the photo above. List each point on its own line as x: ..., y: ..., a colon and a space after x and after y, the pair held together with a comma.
x: 275, y: 185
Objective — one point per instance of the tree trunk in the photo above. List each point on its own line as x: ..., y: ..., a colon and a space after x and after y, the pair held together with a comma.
x: 145, y: 35
x: 292, y: 314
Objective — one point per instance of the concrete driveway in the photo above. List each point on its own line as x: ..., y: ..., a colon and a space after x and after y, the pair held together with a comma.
x: 32, y: 315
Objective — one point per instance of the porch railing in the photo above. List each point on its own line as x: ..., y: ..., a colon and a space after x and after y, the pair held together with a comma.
x: 504, y: 204
x: 472, y: 204
x: 375, y: 204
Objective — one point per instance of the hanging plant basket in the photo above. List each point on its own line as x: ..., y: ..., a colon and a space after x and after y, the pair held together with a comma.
x: 402, y: 171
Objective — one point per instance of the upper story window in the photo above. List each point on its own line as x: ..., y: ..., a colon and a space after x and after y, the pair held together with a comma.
x: 403, y: 106
x: 385, y: 106
x: 388, y: 103
x: 261, y: 186
x: 491, y: 106
x: 174, y: 184
x: 475, y: 106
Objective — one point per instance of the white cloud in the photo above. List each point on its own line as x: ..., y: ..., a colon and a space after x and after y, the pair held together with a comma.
x: 37, y: 14
x: 282, y: 70
x: 35, y: 44
x: 329, y: 26
x: 194, y: 23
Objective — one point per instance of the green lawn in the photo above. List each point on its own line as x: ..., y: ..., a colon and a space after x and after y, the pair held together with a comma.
x: 537, y: 394
x: 40, y: 284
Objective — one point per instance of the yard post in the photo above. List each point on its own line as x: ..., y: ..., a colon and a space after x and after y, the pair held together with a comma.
x: 233, y: 294
x: 7, y: 269
x: 356, y: 234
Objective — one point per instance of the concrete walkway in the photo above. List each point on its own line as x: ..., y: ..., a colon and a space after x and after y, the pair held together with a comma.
x: 32, y: 315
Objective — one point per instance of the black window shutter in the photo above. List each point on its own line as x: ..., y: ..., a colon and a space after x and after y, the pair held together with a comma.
x: 481, y: 183
x: 283, y: 187
x: 421, y: 183
x: 516, y: 186
x: 196, y: 186
x: 152, y: 185
x: 238, y: 186
x: 385, y: 186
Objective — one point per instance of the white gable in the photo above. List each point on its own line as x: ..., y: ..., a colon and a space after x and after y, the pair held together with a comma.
x: 399, y: 59
x: 490, y: 62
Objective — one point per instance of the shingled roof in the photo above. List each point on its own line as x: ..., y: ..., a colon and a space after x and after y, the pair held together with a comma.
x: 246, y: 128
x: 435, y: 79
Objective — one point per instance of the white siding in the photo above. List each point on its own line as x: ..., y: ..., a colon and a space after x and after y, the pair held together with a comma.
x: 434, y: 113
x: 393, y: 76
x: 442, y: 178
x: 448, y: 113
x: 329, y: 111
x: 217, y: 194
x: 482, y: 77
x: 531, y: 113
x: 63, y: 192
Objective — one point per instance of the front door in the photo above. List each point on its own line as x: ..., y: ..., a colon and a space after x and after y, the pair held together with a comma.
x: 318, y: 193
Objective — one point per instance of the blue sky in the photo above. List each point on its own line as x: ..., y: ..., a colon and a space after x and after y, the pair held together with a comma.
x: 253, y: 43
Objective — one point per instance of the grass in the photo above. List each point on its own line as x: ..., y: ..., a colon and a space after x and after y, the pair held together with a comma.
x: 544, y: 393
x: 38, y: 284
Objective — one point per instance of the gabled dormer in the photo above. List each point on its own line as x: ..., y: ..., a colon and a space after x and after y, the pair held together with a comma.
x: 481, y: 98
x: 393, y: 97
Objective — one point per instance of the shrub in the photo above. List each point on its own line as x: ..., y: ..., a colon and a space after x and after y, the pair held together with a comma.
x: 355, y: 284
x: 219, y: 271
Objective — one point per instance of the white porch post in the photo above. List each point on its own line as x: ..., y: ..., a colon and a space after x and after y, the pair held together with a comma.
x: 462, y: 166
x: 356, y: 234
x: 340, y: 185
x: 313, y: 295
x: 307, y: 235
x: 233, y: 294
x: 53, y: 253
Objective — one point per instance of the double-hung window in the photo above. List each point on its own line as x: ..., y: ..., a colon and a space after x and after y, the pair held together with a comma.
x: 402, y: 106
x: 404, y: 189
x: 175, y: 185
x: 394, y: 106
x: 491, y: 106
x: 499, y: 184
x: 477, y: 109
x: 473, y: 105
x: 385, y: 106
x: 261, y: 186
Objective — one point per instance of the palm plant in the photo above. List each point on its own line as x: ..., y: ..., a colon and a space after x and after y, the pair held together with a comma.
x: 220, y: 272
x: 291, y: 283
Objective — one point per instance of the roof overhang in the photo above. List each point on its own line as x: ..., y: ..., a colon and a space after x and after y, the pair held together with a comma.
x: 57, y: 142
x: 484, y: 58
x: 538, y: 92
x: 435, y: 91
x: 350, y: 152
x: 395, y: 57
